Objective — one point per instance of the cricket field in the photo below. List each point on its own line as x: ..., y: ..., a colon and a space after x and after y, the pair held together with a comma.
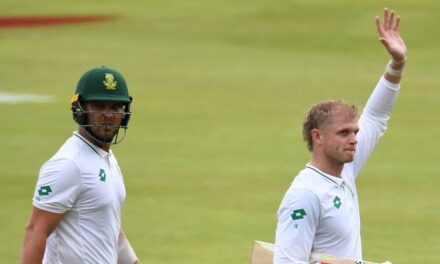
x: 220, y: 90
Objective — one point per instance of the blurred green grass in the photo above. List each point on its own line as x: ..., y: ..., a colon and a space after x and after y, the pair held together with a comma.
x: 220, y: 89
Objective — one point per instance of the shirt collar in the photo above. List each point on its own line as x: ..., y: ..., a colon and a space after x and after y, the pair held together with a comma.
x: 98, y: 150
x: 336, y: 180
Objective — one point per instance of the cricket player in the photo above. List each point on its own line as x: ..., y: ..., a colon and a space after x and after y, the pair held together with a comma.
x: 76, y: 215
x: 320, y: 210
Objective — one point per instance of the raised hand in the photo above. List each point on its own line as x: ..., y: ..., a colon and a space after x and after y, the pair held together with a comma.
x: 390, y: 37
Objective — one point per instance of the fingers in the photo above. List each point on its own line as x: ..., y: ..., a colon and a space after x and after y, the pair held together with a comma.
x: 389, y: 36
x: 379, y: 28
x: 389, y: 22
x: 388, y: 17
x: 385, y: 18
x: 397, y: 25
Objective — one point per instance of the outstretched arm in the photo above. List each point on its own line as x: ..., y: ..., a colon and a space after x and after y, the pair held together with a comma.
x: 389, y: 35
x: 374, y: 119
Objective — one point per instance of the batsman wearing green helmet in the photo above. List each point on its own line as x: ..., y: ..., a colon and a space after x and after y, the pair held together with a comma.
x: 76, y: 215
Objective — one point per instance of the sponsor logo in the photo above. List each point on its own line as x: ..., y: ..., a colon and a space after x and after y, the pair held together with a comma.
x: 337, y: 202
x: 44, y: 190
x: 102, y: 175
x: 298, y: 214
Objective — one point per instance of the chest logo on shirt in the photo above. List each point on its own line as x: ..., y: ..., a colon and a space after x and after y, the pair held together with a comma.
x: 102, y: 175
x: 44, y: 190
x: 337, y: 202
x: 298, y: 214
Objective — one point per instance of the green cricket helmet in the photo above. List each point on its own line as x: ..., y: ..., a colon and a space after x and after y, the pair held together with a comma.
x: 101, y: 84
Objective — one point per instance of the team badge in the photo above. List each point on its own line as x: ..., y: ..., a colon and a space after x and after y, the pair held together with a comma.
x: 298, y: 214
x: 110, y: 83
x: 337, y: 202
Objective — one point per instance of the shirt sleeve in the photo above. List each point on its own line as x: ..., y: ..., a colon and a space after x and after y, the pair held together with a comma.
x: 373, y: 121
x: 298, y: 218
x: 58, y: 186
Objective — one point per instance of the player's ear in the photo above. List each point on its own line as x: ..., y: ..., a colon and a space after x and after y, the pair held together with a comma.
x: 316, y: 136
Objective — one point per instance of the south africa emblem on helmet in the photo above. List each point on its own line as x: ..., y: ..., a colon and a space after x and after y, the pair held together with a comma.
x: 110, y: 83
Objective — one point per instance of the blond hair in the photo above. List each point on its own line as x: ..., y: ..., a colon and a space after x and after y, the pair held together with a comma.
x: 320, y: 116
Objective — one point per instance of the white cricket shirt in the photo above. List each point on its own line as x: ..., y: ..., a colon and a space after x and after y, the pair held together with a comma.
x: 84, y: 183
x: 320, y: 212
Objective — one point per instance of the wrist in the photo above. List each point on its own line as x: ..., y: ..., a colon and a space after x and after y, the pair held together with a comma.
x: 399, y: 62
x: 391, y: 68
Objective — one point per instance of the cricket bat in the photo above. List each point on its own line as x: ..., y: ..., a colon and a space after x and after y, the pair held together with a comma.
x: 262, y: 253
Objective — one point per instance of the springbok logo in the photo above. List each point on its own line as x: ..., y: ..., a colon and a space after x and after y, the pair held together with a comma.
x: 110, y: 83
